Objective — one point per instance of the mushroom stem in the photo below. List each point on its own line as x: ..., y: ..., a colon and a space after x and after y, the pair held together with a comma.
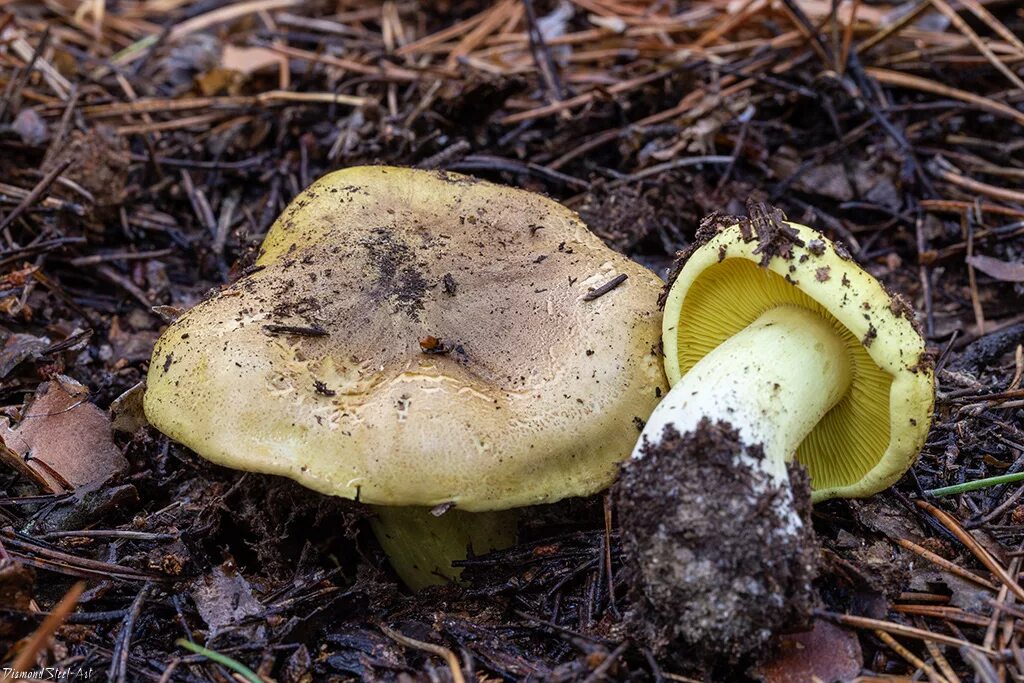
x: 421, y: 546
x: 773, y: 382
x: 717, y: 528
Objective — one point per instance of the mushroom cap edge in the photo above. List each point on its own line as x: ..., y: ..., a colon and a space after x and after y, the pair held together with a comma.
x: 858, y: 301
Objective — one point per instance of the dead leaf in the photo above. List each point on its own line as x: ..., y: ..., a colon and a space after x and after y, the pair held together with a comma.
x: 248, y: 60
x: 963, y: 594
x: 63, y: 438
x: 296, y: 668
x: 87, y: 505
x: 884, y: 514
x: 17, y: 348
x: 168, y: 313
x: 885, y: 567
x: 827, y: 653
x: 130, y: 345
x: 1006, y: 271
x: 826, y: 180
x: 187, y: 57
x: 126, y: 410
x: 223, y: 597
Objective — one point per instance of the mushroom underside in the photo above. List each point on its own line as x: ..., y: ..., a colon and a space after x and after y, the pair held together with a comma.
x: 854, y: 434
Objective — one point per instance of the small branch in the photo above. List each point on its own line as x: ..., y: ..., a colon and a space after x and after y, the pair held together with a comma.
x: 605, y: 288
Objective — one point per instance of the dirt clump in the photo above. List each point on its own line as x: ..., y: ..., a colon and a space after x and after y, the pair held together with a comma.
x: 99, y: 164
x: 715, y: 562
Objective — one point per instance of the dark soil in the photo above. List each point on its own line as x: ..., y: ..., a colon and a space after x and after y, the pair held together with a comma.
x: 142, y: 163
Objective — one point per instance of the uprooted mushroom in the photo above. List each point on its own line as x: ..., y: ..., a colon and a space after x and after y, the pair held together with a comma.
x: 441, y: 348
x: 778, y: 347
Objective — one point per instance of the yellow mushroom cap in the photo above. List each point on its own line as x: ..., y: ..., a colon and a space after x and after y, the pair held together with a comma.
x: 417, y: 338
x: 872, y: 436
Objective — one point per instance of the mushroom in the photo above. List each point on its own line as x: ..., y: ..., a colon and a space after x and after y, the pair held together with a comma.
x: 420, y: 341
x: 777, y: 346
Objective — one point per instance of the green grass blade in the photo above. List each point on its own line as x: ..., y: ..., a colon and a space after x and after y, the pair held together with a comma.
x: 237, y: 667
x: 976, y: 484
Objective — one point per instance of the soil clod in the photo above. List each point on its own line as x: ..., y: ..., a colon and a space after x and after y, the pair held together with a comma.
x: 715, y: 563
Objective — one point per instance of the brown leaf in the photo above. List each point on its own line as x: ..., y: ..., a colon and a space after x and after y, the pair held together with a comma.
x: 885, y: 515
x: 18, y: 348
x: 1007, y: 271
x: 63, y: 438
x: 126, y: 410
x: 223, y: 597
x: 827, y: 180
x: 130, y: 345
x: 827, y: 653
x: 219, y: 81
x: 168, y: 313
x: 249, y: 59
x: 963, y: 594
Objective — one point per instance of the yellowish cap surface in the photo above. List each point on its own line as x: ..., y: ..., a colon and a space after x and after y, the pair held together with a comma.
x: 418, y: 338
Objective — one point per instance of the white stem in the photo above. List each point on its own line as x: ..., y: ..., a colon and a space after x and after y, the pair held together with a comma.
x: 773, y: 381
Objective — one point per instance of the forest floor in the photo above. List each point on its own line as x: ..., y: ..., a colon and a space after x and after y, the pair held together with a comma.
x: 148, y: 146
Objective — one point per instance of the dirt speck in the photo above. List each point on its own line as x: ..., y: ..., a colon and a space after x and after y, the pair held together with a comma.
x: 450, y: 285
x: 774, y: 236
x: 869, y: 336
x: 899, y: 306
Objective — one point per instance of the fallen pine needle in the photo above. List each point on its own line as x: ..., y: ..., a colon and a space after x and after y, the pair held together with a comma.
x: 910, y: 657
x: 901, y: 630
x: 976, y: 549
x: 1002, y: 193
x: 984, y: 49
x: 951, y: 567
x: 239, y: 668
x: 447, y: 655
x: 940, y: 660
x: 678, y: 677
x: 903, y: 80
x: 27, y: 657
